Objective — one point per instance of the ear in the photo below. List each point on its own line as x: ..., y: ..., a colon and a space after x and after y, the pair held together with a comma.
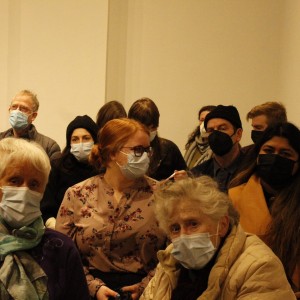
x: 33, y: 116
x: 238, y: 134
x: 223, y: 226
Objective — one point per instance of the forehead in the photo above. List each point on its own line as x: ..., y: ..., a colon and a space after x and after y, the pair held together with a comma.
x: 187, y: 209
x: 24, y: 170
x: 260, y: 120
x: 139, y: 138
x: 216, y: 122
x: 80, y: 132
x: 279, y: 143
x: 22, y: 99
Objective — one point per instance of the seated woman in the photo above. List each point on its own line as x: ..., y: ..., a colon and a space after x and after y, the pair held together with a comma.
x: 197, y: 149
x: 267, y: 192
x: 34, y: 263
x: 110, y: 216
x: 72, y: 167
x: 210, y: 256
x: 166, y: 156
x: 109, y: 111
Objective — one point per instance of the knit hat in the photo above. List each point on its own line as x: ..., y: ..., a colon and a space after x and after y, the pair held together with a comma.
x: 229, y: 113
x: 82, y: 122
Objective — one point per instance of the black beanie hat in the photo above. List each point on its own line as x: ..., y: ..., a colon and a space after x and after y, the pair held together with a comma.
x: 82, y: 122
x: 229, y: 113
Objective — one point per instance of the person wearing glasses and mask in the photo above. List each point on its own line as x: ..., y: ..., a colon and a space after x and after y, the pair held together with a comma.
x: 210, y: 256
x: 35, y: 263
x: 166, y: 156
x: 267, y: 193
x: 72, y: 167
x: 22, y: 112
x: 110, y: 216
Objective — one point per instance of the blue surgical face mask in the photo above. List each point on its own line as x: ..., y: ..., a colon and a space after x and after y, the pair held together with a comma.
x: 19, y: 206
x: 81, y: 151
x: 18, y: 120
x: 194, y: 251
x: 136, y: 166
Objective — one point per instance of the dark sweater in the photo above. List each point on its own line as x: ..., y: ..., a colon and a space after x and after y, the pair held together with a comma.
x: 59, y: 258
x: 62, y: 176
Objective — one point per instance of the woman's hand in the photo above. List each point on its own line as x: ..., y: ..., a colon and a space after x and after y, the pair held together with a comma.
x: 182, y: 174
x: 134, y: 290
x: 104, y: 293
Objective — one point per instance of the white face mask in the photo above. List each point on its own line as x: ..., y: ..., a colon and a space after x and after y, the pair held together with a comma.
x: 20, y: 206
x: 153, y: 135
x: 193, y: 251
x: 136, y: 166
x: 203, y: 132
x: 81, y: 151
x: 18, y: 120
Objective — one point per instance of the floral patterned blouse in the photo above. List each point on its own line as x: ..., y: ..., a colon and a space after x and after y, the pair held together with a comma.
x: 111, y: 236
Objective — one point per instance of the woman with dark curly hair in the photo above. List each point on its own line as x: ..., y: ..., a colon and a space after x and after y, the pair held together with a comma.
x: 266, y: 193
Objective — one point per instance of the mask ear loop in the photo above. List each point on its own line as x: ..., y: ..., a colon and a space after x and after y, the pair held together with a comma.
x: 217, y: 235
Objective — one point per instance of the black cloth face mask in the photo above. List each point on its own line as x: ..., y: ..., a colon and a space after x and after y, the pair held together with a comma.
x: 274, y: 169
x: 220, y: 142
x: 256, y: 135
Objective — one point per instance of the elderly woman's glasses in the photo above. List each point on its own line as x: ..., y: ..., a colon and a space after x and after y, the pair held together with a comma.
x: 139, y: 150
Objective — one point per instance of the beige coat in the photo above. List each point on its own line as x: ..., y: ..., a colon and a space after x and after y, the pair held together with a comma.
x: 245, y: 269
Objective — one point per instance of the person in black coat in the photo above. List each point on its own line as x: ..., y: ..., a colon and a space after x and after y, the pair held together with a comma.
x: 166, y: 157
x: 72, y: 167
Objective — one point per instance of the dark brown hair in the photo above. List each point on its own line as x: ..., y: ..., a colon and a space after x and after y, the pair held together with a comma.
x: 109, y: 111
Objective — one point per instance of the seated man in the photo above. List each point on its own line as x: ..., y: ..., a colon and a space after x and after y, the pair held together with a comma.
x: 210, y: 256
x: 23, y: 111
x: 224, y: 127
x: 265, y: 115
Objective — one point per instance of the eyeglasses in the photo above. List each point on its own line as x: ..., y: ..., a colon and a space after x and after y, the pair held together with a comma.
x: 139, y: 150
x: 21, y: 108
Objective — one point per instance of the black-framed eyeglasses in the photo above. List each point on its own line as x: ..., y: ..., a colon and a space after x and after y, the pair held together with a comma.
x: 139, y: 150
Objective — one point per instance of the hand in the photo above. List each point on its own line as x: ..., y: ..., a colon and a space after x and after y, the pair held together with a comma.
x: 104, y: 293
x: 182, y: 174
x: 134, y: 290
x: 50, y: 223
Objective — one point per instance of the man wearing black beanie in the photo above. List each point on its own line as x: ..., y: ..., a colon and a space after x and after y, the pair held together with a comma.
x: 225, y: 132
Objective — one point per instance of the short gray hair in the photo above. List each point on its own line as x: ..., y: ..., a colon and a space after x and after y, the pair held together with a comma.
x: 33, y: 96
x: 202, y: 191
x: 17, y: 150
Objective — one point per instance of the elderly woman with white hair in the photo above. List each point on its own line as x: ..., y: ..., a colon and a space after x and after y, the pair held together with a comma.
x: 210, y: 256
x: 34, y: 263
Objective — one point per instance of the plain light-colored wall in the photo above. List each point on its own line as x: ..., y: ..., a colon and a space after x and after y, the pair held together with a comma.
x: 58, y: 49
x: 290, y: 64
x: 186, y: 54
x: 182, y: 53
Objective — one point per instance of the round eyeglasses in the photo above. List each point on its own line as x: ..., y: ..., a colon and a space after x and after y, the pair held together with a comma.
x: 139, y: 150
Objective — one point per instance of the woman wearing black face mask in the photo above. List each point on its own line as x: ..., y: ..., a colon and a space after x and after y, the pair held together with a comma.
x: 267, y: 192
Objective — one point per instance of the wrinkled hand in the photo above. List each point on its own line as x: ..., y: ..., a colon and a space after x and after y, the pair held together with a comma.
x: 104, y: 293
x: 182, y: 174
x: 134, y: 289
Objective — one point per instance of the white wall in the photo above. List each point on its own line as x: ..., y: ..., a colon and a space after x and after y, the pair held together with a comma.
x: 181, y: 53
x: 57, y: 49
x: 290, y: 63
x: 186, y: 54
